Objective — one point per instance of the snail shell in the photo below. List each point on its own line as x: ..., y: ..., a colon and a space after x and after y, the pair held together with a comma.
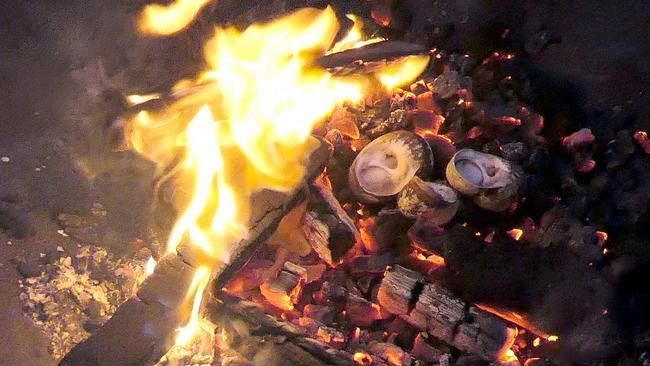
x: 386, y: 165
x: 436, y: 200
x: 492, y: 182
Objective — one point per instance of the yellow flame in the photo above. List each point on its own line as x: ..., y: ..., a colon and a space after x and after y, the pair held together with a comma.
x: 169, y: 19
x: 150, y: 266
x: 197, y: 287
x: 509, y: 358
x: 403, y: 71
x: 245, y: 125
x: 354, y: 38
x: 137, y: 99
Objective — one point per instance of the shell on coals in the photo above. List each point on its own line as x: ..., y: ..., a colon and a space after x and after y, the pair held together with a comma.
x: 491, y: 181
x: 387, y: 164
x: 435, y: 200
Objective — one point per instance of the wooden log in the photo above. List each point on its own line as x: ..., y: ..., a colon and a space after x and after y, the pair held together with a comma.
x: 442, y: 315
x: 256, y: 336
x: 142, y: 329
x: 343, y: 233
x: 318, y: 236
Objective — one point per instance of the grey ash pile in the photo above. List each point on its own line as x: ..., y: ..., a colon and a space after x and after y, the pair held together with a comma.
x: 77, y: 293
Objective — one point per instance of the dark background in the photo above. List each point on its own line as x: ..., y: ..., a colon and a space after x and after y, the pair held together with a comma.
x: 58, y: 57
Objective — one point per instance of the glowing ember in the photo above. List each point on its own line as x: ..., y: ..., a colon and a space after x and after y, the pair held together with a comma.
x: 642, y: 138
x: 362, y: 358
x: 515, y: 233
x: 552, y: 338
x: 536, y: 342
x: 247, y: 128
x: 519, y: 320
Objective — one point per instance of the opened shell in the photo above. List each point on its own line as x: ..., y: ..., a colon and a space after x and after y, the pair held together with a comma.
x: 492, y: 182
x: 435, y: 200
x: 387, y: 164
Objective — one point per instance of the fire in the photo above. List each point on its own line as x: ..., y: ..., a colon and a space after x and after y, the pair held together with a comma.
x: 403, y: 71
x: 150, y: 266
x: 354, y: 38
x: 169, y: 19
x: 246, y: 127
x: 137, y: 99
x: 199, y: 283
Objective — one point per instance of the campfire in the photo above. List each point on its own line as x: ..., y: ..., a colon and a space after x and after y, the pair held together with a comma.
x: 346, y: 198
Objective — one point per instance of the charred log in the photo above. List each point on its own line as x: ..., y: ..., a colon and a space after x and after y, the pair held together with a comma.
x: 254, y: 335
x: 442, y: 315
x: 343, y: 232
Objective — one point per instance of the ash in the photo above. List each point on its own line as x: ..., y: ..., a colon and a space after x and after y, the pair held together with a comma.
x: 199, y: 352
x: 77, y: 294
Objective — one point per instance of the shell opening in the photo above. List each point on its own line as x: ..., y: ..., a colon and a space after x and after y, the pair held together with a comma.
x: 470, y: 171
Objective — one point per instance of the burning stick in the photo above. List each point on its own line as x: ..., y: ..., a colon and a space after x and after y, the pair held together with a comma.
x: 437, y: 311
x: 142, y: 329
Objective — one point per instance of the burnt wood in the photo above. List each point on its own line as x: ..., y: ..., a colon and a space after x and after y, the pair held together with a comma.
x: 318, y: 236
x: 433, y: 309
x: 142, y: 329
x: 384, y: 51
x: 343, y: 233
x: 280, y: 343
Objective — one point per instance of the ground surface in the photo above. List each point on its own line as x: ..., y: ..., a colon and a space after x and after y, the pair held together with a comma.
x: 51, y: 113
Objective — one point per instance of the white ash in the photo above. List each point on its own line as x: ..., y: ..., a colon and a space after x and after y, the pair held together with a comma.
x: 77, y: 294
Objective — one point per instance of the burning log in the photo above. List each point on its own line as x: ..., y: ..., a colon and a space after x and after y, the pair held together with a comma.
x: 142, y: 329
x: 437, y: 311
x: 255, y: 336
